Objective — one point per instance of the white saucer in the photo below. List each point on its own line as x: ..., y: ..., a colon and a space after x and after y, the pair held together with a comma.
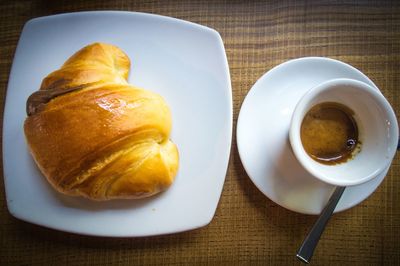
x: 262, y: 136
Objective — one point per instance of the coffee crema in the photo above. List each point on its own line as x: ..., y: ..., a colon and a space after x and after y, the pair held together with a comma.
x: 329, y: 133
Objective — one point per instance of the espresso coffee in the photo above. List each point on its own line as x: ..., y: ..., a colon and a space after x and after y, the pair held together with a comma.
x: 329, y: 133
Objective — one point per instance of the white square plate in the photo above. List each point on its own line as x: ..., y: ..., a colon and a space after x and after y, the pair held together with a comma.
x: 182, y: 61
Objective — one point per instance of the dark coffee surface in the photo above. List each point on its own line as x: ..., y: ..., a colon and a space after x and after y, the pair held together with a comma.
x: 329, y: 133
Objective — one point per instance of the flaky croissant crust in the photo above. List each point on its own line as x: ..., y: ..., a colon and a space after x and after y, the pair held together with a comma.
x: 105, y: 139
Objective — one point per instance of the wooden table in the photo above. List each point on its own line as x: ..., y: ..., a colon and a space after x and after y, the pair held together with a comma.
x: 247, y: 228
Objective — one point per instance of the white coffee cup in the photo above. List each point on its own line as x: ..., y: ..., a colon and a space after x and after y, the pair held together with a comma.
x: 377, y: 128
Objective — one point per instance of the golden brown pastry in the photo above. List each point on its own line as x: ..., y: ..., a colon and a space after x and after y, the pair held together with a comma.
x: 92, y: 134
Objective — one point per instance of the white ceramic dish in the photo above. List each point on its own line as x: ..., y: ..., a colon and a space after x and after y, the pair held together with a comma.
x: 263, y: 141
x: 182, y: 61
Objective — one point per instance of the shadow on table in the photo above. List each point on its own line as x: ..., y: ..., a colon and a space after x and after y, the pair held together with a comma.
x: 275, y: 215
x: 31, y: 233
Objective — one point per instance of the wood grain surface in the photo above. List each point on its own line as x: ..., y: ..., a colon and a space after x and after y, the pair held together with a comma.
x: 248, y: 228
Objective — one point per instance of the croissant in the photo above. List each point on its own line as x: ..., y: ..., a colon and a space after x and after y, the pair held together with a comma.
x: 94, y: 135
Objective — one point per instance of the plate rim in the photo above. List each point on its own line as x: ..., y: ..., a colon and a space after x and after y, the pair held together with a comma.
x: 120, y: 12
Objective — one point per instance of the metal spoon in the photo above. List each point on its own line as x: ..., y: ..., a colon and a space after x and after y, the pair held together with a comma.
x: 310, y: 242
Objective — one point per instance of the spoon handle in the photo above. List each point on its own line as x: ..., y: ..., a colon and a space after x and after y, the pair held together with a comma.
x: 307, y: 248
